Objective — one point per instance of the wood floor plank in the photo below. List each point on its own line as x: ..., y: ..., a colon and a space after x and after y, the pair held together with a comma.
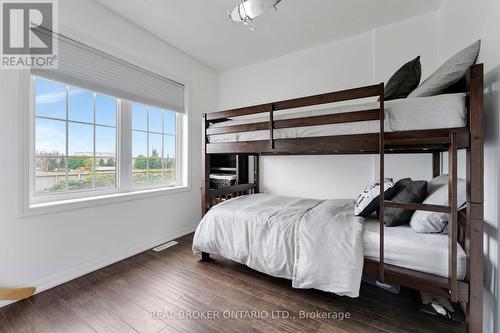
x: 4, y: 325
x: 127, y: 310
x: 168, y: 291
x: 92, y: 310
x: 23, y: 317
x: 60, y: 317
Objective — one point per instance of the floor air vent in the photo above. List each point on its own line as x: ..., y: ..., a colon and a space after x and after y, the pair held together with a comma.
x: 165, y: 246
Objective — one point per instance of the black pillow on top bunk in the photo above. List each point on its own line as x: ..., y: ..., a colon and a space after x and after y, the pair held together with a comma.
x: 404, y: 81
x: 407, y: 191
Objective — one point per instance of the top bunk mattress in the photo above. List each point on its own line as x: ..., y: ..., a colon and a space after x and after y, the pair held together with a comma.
x: 421, y: 113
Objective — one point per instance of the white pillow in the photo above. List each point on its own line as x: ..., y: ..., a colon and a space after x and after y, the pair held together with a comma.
x: 436, y: 183
x: 437, y: 194
x: 368, y: 200
x: 449, y: 73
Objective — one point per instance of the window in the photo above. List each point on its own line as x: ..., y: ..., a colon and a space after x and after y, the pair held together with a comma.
x: 86, y: 144
x: 153, y: 146
x: 75, y: 139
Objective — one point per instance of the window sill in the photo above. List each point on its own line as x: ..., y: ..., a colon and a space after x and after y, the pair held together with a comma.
x: 65, y: 205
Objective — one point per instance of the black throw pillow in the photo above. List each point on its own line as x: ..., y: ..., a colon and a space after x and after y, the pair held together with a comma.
x: 459, y: 87
x: 404, y: 81
x: 407, y: 191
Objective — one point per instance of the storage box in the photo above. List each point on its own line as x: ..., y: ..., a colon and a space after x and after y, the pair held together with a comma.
x: 218, y: 180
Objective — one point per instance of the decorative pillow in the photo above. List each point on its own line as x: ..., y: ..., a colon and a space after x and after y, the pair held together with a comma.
x: 432, y: 222
x: 407, y: 191
x: 449, y: 73
x: 436, y: 183
x: 404, y: 81
x: 368, y: 201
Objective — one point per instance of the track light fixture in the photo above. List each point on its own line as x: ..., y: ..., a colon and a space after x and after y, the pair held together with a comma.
x: 248, y: 10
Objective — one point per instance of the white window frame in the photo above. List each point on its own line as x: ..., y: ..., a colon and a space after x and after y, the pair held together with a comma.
x: 31, y: 204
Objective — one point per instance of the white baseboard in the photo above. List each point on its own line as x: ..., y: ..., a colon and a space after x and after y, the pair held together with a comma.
x: 63, y: 277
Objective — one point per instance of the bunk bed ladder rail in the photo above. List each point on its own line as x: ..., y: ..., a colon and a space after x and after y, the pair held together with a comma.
x: 451, y: 209
x: 381, y: 148
x: 453, y: 223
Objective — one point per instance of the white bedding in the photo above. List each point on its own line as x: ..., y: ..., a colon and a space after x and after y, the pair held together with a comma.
x: 315, y: 243
x: 442, y: 111
x: 406, y: 248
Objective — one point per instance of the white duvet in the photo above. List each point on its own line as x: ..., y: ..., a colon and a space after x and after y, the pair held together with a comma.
x: 315, y: 243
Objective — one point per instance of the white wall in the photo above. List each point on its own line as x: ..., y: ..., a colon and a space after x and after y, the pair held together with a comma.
x: 49, y: 249
x: 461, y: 23
x: 361, y: 60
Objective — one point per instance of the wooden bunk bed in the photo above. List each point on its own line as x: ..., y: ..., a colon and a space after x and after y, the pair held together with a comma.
x: 465, y: 226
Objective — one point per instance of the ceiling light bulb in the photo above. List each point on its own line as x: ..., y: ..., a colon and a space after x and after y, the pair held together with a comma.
x: 248, y: 10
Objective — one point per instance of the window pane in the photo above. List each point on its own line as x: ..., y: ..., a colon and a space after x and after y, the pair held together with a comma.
x: 155, y: 120
x: 169, y: 176
x: 155, y: 145
x: 139, y: 144
x: 169, y: 146
x: 81, y: 105
x: 155, y: 165
x: 79, y: 164
x: 50, y: 137
x: 105, y: 172
x: 155, y: 175
x: 169, y: 117
x: 105, y: 110
x: 80, y: 139
x: 80, y: 175
x: 105, y: 141
x: 50, y: 174
x: 139, y: 170
x: 50, y: 99
x: 139, y: 117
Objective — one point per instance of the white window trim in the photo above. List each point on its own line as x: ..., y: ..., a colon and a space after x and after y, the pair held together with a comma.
x: 64, y: 202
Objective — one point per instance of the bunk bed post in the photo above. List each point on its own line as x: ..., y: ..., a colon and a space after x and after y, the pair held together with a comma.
x: 475, y: 200
x: 381, y: 148
x: 453, y: 223
x: 436, y: 164
x: 205, y: 162
x: 205, y: 175
x: 256, y: 173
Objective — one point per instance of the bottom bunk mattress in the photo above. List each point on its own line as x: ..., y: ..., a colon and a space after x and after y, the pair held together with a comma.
x: 315, y: 243
x: 406, y: 248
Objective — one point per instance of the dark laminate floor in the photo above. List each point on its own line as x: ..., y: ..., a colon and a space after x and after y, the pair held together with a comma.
x: 122, y: 297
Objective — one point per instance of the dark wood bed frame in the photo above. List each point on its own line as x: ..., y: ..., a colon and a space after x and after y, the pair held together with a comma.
x: 465, y: 227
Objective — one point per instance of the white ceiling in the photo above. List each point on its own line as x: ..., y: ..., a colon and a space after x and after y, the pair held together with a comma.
x: 201, y: 28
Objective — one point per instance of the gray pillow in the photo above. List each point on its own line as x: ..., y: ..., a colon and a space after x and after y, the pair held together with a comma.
x: 449, y: 73
x: 404, y: 81
x: 432, y: 222
x: 407, y: 191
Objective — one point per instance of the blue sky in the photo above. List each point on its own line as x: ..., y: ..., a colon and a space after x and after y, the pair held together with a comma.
x: 51, y: 133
